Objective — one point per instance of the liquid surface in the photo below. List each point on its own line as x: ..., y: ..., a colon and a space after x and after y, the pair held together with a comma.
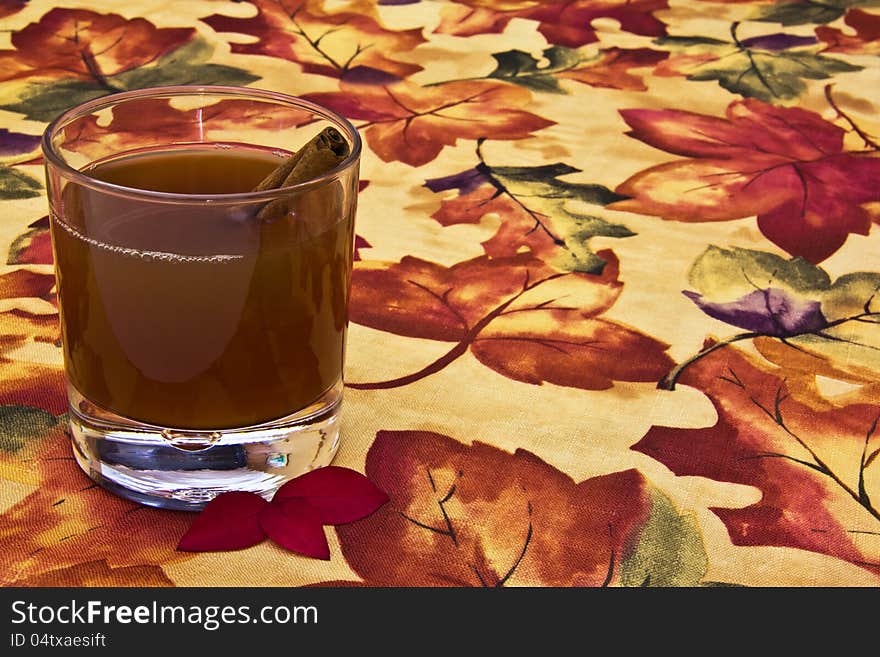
x: 194, y: 315
x: 207, y: 170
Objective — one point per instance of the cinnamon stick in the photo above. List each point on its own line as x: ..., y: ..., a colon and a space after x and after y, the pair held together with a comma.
x: 321, y: 154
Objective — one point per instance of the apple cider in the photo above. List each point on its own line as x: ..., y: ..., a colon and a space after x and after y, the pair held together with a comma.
x: 198, y: 314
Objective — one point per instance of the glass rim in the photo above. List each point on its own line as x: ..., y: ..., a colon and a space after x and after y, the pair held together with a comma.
x: 171, y: 91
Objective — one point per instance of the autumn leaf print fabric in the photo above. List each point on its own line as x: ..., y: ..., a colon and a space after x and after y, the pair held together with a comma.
x: 615, y: 303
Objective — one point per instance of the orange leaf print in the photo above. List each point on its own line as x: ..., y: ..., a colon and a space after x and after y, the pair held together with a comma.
x: 348, y: 42
x: 817, y: 469
x: 24, y: 382
x: 409, y: 123
x: 32, y: 384
x: 21, y: 283
x: 98, y: 573
x: 558, y: 347
x: 517, y: 315
x: 800, y: 369
x: 471, y: 208
x: 474, y: 515
x: 612, y: 69
x: 126, y: 130
x: 67, y: 522
x: 86, y: 45
x: 517, y: 230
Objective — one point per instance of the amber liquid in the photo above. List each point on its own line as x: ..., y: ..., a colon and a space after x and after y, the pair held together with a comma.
x: 194, y: 315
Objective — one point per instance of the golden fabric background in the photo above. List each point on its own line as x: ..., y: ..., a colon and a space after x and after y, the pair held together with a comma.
x: 545, y: 437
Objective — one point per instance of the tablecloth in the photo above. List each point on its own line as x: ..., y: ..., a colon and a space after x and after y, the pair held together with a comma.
x: 614, y: 313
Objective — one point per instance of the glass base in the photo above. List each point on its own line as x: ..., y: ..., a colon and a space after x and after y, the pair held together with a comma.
x: 184, y: 469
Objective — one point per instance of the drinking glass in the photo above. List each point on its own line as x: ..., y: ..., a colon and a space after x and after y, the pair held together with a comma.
x: 203, y: 340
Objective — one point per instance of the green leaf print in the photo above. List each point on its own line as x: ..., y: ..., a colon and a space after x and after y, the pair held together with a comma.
x: 837, y: 322
x: 810, y: 11
x: 21, y: 424
x: 546, y: 194
x: 668, y: 552
x: 15, y: 184
x: 185, y: 65
x: 539, y: 210
x: 770, y: 67
x: 525, y: 70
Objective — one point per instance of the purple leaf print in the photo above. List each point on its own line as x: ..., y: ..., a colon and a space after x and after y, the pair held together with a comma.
x: 369, y: 75
x: 16, y: 143
x: 771, y: 312
x: 779, y: 41
x: 467, y: 181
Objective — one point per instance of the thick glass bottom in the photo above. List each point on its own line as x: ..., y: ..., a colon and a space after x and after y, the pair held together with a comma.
x: 184, y: 469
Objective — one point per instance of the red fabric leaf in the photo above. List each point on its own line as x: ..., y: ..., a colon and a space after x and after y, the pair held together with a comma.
x: 866, y: 39
x: 295, y: 524
x: 294, y: 519
x: 401, y: 299
x: 9, y: 7
x: 33, y: 247
x: 231, y: 521
x: 786, y: 165
x: 816, y: 494
x: 340, y: 495
x: 562, y: 22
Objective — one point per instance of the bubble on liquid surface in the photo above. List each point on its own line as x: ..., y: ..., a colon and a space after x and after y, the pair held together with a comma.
x: 147, y: 256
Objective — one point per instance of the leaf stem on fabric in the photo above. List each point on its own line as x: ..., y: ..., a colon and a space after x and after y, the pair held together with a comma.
x: 818, y: 464
x: 459, y: 350
x: 866, y: 138
x: 486, y: 170
x: 668, y: 382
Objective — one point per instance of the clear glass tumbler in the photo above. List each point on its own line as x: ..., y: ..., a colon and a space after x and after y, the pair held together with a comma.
x: 203, y: 337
